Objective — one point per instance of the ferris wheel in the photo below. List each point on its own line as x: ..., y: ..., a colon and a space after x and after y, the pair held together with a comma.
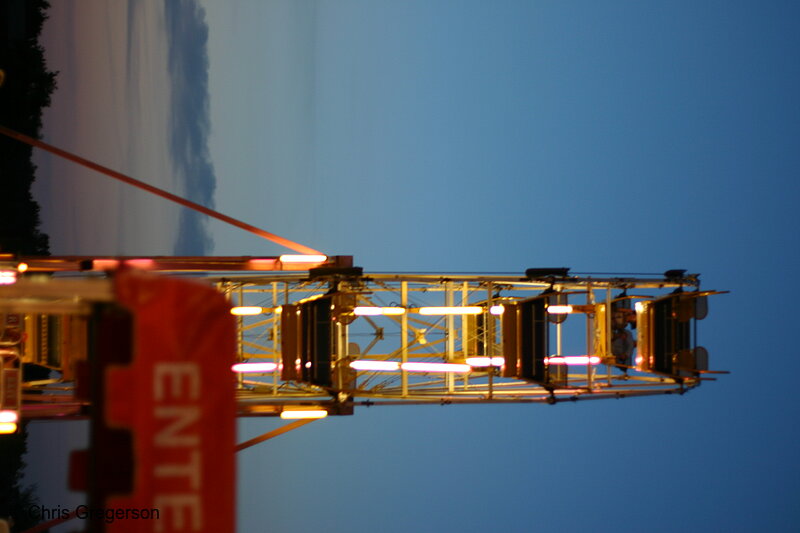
x: 163, y: 353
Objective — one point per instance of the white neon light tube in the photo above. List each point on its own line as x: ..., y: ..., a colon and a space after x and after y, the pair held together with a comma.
x: 435, y: 367
x: 246, y: 310
x: 376, y: 311
x: 244, y: 368
x: 289, y: 414
x: 559, y: 309
x: 293, y: 258
x: 9, y: 416
x: 572, y: 360
x: 376, y: 366
x: 483, y: 361
x: 463, y: 310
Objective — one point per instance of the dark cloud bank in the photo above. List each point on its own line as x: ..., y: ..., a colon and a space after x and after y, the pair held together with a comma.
x: 187, y: 32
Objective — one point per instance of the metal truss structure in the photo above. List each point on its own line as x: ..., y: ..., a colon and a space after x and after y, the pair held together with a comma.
x: 400, y: 339
x: 330, y: 337
x: 146, y: 358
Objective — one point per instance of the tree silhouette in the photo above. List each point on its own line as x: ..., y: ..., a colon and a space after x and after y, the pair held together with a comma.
x: 16, y: 501
x: 25, y: 91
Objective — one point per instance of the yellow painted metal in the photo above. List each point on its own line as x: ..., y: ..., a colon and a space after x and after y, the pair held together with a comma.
x: 412, y: 337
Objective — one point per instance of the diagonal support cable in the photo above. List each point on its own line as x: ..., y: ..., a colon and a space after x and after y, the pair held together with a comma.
x: 274, y: 433
x: 158, y: 192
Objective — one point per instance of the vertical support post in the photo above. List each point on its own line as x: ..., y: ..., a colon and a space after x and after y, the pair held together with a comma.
x: 609, y: 335
x: 404, y: 336
x: 344, y: 356
x: 589, y: 337
x: 465, y: 333
x: 338, y: 355
x: 450, y: 321
x: 240, y: 338
x: 276, y: 346
x: 489, y: 336
x: 559, y: 347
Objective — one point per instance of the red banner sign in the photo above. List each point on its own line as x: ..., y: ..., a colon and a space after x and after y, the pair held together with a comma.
x: 177, y: 397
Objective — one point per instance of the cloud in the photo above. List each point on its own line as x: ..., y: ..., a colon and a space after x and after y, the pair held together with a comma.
x: 187, y: 33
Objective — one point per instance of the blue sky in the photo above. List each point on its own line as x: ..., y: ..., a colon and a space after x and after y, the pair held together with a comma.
x: 618, y: 136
